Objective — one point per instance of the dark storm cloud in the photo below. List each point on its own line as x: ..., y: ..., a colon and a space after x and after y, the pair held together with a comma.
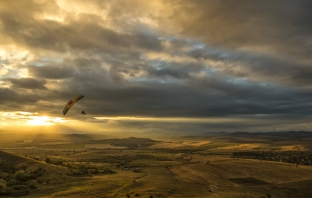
x: 244, y: 22
x: 52, y: 71
x: 82, y: 33
x: 7, y: 95
x: 255, y: 66
x: 27, y: 83
x: 206, y: 96
x: 302, y: 75
x: 162, y: 127
x: 170, y: 101
x: 279, y: 29
x: 164, y: 69
x: 12, y: 100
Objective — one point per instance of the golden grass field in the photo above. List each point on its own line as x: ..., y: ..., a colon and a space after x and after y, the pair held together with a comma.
x: 168, y: 171
x: 180, y: 144
x: 191, y: 180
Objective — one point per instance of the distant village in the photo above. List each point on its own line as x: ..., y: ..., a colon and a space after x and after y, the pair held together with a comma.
x: 294, y: 157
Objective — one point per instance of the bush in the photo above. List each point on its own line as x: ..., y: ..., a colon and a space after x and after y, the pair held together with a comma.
x: 21, y: 175
x: 39, y: 171
x: 19, y: 192
x: 95, y: 171
x: 19, y: 187
x: 76, y: 172
x: 32, y: 186
x: 48, y: 160
x: 3, y: 184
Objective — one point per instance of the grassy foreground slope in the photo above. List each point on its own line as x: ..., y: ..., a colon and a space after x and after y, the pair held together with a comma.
x: 21, y: 176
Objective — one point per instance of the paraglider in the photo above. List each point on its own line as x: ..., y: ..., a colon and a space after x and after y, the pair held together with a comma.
x: 71, y: 103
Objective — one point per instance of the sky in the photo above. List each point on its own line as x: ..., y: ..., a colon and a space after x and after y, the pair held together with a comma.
x: 159, y: 66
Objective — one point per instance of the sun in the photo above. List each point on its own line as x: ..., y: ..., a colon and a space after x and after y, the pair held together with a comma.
x: 40, y: 121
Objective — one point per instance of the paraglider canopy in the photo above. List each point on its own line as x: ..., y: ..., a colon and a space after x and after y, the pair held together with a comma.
x: 71, y: 103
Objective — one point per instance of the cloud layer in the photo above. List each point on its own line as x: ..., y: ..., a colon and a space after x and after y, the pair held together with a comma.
x: 246, y: 61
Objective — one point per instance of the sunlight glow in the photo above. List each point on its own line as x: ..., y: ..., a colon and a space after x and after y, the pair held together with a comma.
x: 39, y: 120
x: 44, y: 121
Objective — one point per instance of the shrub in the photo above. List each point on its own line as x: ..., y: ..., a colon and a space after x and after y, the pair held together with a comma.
x: 18, y: 192
x: 48, y: 160
x: 39, y: 171
x: 21, y: 175
x: 3, y: 184
x: 19, y: 187
x: 32, y: 186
